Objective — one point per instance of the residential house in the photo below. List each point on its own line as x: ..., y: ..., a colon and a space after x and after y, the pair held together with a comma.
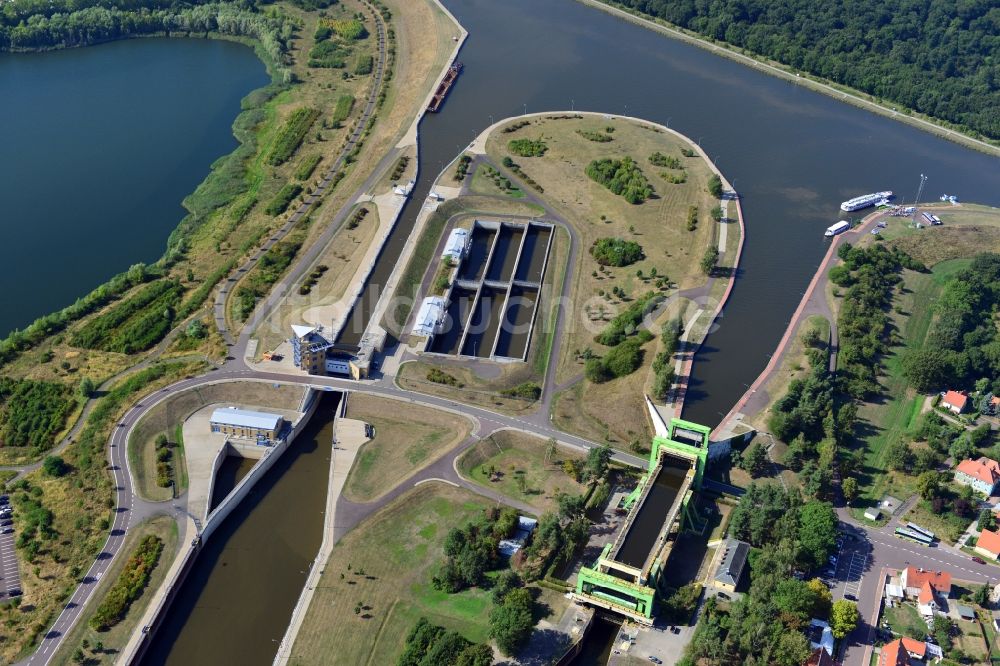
x: 988, y: 544
x: 734, y: 560
x: 982, y: 474
x: 954, y: 401
x: 930, y: 589
x: 900, y: 651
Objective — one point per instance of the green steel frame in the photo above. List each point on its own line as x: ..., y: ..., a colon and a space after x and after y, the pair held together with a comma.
x: 636, y: 599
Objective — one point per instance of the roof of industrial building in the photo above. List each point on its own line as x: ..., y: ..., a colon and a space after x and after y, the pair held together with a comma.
x: 431, y: 312
x: 246, y: 418
x: 733, y: 560
x: 456, y: 242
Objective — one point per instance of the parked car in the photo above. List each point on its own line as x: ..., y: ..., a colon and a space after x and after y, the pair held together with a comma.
x: 6, y: 522
x: 654, y: 660
x: 850, y: 597
x: 7, y: 530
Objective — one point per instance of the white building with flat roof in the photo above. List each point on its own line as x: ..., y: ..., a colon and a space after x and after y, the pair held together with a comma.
x: 458, y: 239
x: 430, y: 316
x: 246, y: 423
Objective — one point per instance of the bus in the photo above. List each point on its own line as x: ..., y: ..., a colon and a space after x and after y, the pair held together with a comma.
x: 913, y: 527
x: 915, y: 537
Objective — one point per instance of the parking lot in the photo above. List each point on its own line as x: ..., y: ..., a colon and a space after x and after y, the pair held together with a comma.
x: 10, y: 575
x: 853, y: 561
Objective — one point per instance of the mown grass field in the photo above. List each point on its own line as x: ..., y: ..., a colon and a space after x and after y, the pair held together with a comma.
x: 514, y: 456
x: 115, y: 638
x: 399, y: 549
x: 407, y: 438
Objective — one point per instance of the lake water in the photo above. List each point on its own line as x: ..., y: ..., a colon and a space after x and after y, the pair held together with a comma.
x: 100, y: 145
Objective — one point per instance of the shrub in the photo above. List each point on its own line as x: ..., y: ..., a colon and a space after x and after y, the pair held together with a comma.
x: 328, y: 55
x: 599, y: 137
x: 343, y: 109
x: 291, y: 134
x: 624, y: 359
x: 55, y: 466
x: 349, y: 28
x: 32, y: 412
x: 441, y: 377
x: 628, y: 321
x: 307, y: 166
x: 279, y: 204
x: 130, y: 584
x: 364, y: 65
x: 715, y: 185
x: 527, y: 147
x: 527, y: 391
x: 659, y: 159
x: 621, y: 176
x: 616, y: 252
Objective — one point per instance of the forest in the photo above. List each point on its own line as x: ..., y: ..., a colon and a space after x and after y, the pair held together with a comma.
x: 936, y: 57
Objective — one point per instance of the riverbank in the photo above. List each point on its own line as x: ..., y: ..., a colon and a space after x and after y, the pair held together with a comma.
x: 830, y: 88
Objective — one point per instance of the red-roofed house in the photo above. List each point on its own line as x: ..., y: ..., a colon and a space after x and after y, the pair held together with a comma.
x: 900, y: 651
x: 989, y: 544
x: 929, y: 588
x: 955, y: 401
x: 982, y: 474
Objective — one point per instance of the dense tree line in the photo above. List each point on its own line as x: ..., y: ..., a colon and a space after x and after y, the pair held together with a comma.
x: 130, y: 584
x: 870, y: 276
x: 935, y: 56
x: 430, y: 645
x: 32, y: 412
x: 35, y: 25
x: 962, y: 345
x: 50, y: 324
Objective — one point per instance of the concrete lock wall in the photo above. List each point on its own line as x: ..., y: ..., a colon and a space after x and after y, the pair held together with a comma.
x: 270, y: 456
x: 172, y: 586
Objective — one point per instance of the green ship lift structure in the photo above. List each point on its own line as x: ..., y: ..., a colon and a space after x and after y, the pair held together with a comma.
x: 627, y: 589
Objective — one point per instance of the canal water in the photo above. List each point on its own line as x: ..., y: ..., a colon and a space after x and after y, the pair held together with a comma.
x: 100, y: 145
x: 236, y: 602
x: 232, y: 470
x: 793, y: 154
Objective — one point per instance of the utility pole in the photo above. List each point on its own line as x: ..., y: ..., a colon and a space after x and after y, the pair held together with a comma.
x: 920, y: 190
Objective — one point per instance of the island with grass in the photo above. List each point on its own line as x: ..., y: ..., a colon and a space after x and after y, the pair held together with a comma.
x: 619, y: 240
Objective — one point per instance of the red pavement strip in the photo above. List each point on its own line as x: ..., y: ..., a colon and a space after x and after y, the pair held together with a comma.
x: 794, y: 323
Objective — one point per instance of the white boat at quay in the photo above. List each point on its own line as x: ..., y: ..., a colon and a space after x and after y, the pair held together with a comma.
x: 838, y: 228
x: 866, y: 200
